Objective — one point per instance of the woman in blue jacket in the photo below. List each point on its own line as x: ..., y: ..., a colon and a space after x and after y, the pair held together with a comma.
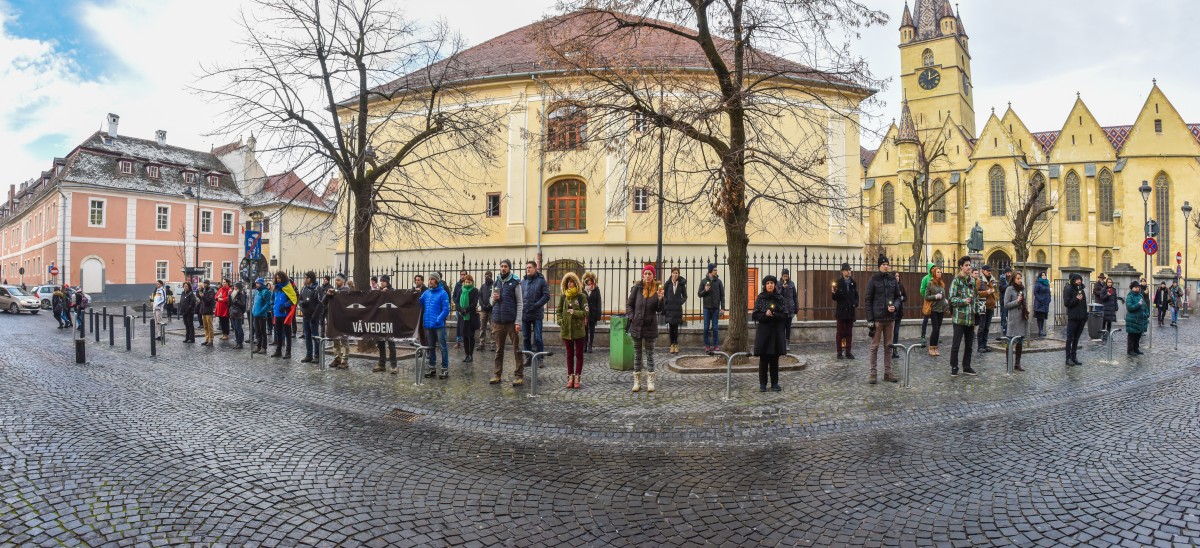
x: 285, y: 312
x: 261, y: 312
x: 435, y: 307
x: 1041, y: 302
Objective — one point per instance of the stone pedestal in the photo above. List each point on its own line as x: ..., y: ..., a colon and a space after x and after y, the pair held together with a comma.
x: 1122, y: 275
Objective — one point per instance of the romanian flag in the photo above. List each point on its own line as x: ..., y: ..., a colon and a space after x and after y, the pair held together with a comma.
x: 290, y: 291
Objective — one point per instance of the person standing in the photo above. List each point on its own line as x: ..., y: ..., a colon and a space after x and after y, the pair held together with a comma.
x: 418, y: 285
x: 1137, y: 318
x: 187, y: 310
x: 1075, y: 299
x: 238, y: 303
x: 310, y: 303
x: 845, y: 295
x: 160, y: 309
x: 1109, y: 301
x: 208, y: 305
x: 1176, y: 299
x: 989, y: 293
x: 284, y: 311
x: 644, y: 303
x: 712, y: 299
x: 925, y: 316
x: 935, y: 297
x: 899, y: 314
x: 384, y: 283
x: 458, y: 327
x: 58, y: 306
x: 468, y: 316
x: 571, y: 314
x: 791, y: 298
x: 770, y: 338
x: 170, y: 306
x: 435, y: 308
x: 1041, y: 302
x: 1006, y: 277
x: 595, y: 308
x: 341, y: 345
x: 261, y: 313
x: 1162, y: 301
x: 535, y: 293
x: 507, y: 311
x: 1098, y: 288
x: 963, y: 301
x: 676, y: 296
x: 221, y: 310
x: 485, y: 310
x: 322, y: 292
x: 882, y: 294
x: 1018, y: 315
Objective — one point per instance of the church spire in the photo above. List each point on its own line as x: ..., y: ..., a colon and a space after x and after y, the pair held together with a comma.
x: 908, y: 31
x: 907, y: 133
x: 928, y: 15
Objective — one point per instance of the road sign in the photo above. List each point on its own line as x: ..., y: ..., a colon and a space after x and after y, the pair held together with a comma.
x: 253, y: 245
x: 53, y: 270
x: 1178, y: 258
x: 1150, y: 246
x: 21, y: 271
x: 1151, y: 228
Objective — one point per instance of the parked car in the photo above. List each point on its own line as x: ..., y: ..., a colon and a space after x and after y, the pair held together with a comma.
x: 15, y: 301
x: 43, y: 294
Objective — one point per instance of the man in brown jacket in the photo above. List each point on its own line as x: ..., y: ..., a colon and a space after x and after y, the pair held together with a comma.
x: 988, y: 289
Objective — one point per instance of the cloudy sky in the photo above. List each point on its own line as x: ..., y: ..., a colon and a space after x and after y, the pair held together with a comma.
x: 64, y: 64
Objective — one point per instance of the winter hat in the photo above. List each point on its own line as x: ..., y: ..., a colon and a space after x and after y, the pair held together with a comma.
x: 986, y: 267
x: 883, y: 260
x: 434, y: 276
x: 845, y: 266
x: 786, y: 272
x: 712, y: 267
x: 259, y: 281
x: 770, y: 278
x: 385, y: 278
x: 1134, y: 284
x: 650, y: 267
x: 341, y: 277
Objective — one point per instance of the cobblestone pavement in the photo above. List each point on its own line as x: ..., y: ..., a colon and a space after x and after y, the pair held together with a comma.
x: 204, y: 446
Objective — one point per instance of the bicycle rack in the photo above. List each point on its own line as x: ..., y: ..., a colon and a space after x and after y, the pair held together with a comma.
x: 728, y: 370
x: 534, y: 362
x: 1010, y: 353
x: 418, y: 370
x: 904, y: 381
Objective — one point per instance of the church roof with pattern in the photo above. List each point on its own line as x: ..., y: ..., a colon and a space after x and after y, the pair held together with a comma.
x: 928, y: 15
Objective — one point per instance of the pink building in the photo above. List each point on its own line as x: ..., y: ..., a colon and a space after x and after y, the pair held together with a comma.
x: 113, y: 216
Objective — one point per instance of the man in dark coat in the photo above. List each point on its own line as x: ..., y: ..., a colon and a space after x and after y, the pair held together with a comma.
x: 535, y: 293
x: 791, y: 301
x: 845, y: 297
x: 882, y: 294
x: 712, y: 300
x: 1075, y: 299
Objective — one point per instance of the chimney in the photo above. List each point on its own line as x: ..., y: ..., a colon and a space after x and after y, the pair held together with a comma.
x: 113, y: 119
x: 161, y: 137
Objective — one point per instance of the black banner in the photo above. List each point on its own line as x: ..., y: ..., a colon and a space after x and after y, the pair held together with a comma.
x: 372, y: 315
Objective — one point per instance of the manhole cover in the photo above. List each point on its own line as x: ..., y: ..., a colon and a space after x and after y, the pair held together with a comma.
x: 405, y: 416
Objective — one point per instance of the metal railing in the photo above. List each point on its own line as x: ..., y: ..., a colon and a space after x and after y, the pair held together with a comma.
x: 904, y: 371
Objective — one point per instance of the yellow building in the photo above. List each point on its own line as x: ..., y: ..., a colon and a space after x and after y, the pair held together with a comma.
x: 582, y: 200
x: 1092, y: 172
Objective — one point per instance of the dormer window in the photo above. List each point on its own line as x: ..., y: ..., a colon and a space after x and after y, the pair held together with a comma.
x: 126, y: 167
x: 152, y: 172
x: 213, y: 180
x: 58, y: 169
x: 189, y: 177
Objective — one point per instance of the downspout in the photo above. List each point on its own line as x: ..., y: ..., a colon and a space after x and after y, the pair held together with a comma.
x: 541, y: 167
x: 63, y: 268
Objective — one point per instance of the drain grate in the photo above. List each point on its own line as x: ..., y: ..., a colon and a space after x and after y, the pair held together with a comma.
x: 405, y: 416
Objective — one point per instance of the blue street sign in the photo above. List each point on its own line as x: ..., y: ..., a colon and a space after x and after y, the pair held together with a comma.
x: 253, y: 244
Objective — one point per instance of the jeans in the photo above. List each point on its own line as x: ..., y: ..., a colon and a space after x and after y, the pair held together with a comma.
x: 1074, y: 332
x: 712, y: 336
x: 281, y: 331
x: 1174, y: 315
x: 224, y: 321
x: 591, y: 333
x: 311, y: 340
x: 574, y: 355
x: 260, y: 332
x: 935, y: 336
x: 924, y: 325
x: 964, y: 335
x: 1003, y: 320
x: 189, y: 328
x: 239, y: 336
x: 437, y: 339
x: 673, y: 330
x: 985, y: 325
x: 386, y: 346
x: 485, y: 320
x: 533, y: 334
x: 896, y: 327
x: 1134, y: 343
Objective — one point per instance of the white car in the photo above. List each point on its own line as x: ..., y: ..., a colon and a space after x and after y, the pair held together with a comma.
x: 43, y: 293
x: 15, y: 301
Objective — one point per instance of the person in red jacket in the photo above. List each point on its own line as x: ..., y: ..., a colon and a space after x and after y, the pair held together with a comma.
x: 222, y: 308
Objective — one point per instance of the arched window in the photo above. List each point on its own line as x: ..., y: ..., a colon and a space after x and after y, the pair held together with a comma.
x: 1072, y: 189
x: 1105, y: 189
x: 1041, y: 257
x: 1043, y: 197
x: 1162, y: 214
x: 1106, y: 262
x: 996, y: 178
x: 939, y: 205
x: 927, y: 58
x: 567, y: 206
x: 938, y: 258
x: 566, y: 128
x: 888, y: 204
x: 1073, y: 258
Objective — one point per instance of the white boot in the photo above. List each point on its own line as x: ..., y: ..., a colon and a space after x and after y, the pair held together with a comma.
x: 637, y: 382
x: 650, y: 382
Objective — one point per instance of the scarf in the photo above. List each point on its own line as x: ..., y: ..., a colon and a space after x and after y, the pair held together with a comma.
x: 464, y: 300
x: 572, y: 292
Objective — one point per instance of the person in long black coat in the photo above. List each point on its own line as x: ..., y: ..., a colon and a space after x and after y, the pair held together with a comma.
x: 675, y: 292
x: 595, y: 308
x: 770, y: 335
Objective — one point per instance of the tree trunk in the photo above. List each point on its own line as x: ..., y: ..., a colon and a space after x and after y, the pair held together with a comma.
x: 918, y: 243
x: 737, y: 289
x: 362, y: 240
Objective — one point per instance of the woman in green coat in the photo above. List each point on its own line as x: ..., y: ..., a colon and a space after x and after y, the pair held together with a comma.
x: 572, y: 314
x: 1137, y: 318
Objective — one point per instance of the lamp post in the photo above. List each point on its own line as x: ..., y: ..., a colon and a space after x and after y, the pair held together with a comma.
x: 1145, y: 191
x: 1187, y: 215
x: 189, y: 193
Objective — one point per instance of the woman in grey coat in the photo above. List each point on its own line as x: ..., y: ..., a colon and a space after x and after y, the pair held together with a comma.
x: 1018, y: 314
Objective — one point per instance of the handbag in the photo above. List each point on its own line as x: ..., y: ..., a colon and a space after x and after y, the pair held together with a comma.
x: 926, y: 308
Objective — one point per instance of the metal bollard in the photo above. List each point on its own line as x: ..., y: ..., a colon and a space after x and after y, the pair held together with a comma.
x: 143, y: 313
x: 153, y: 341
x: 95, y: 327
x: 1010, y: 353
x: 91, y: 319
x: 418, y: 371
x: 128, y: 333
x: 1176, y: 329
x: 320, y: 352
x: 103, y: 314
x: 112, y: 341
x: 728, y: 370
x: 80, y: 349
x: 534, y: 362
x: 907, y: 354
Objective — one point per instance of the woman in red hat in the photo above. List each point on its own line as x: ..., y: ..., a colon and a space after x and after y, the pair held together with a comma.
x: 644, y: 303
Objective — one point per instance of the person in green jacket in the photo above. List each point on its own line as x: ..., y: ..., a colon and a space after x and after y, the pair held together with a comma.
x: 572, y: 314
x: 964, y: 299
x: 1137, y: 318
x: 925, y: 285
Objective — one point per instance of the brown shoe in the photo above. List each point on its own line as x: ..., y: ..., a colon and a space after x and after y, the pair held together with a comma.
x: 495, y: 380
x: 888, y: 377
x: 873, y: 380
x: 379, y: 369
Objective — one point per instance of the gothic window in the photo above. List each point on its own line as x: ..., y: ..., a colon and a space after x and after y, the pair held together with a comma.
x: 888, y: 204
x: 938, y: 258
x: 566, y: 128
x: 1039, y: 181
x: 996, y: 178
x: 1073, y: 258
x: 939, y: 205
x: 1041, y: 256
x: 1162, y: 214
x: 1106, y: 262
x: 1072, y: 189
x: 1105, y: 190
x: 927, y: 58
x: 567, y: 206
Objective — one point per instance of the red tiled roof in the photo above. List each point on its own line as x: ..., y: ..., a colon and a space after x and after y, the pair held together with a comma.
x: 1117, y: 135
x: 521, y: 51
x: 866, y: 155
x: 288, y: 187
x: 1046, y: 139
x: 1195, y: 129
x: 226, y: 148
x: 331, y: 189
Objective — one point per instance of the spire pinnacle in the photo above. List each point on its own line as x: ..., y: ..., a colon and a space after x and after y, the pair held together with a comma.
x: 908, y: 130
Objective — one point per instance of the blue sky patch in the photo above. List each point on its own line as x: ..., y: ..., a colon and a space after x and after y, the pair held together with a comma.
x: 58, y: 21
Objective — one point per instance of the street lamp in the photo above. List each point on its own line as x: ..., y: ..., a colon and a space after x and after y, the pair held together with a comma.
x: 1145, y: 190
x: 1187, y: 215
x: 196, y: 232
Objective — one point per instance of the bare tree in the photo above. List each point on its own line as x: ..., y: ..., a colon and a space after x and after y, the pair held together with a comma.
x: 353, y: 89
x: 877, y: 244
x: 931, y: 158
x: 740, y: 127
x: 1027, y: 201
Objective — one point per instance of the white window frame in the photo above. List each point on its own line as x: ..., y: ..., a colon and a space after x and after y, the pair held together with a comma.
x: 641, y: 193
x: 210, y: 221
x: 103, y: 212
x: 487, y: 206
x: 161, y: 268
x: 158, y: 216
x: 214, y: 181
x: 227, y: 269
x: 126, y: 167
x: 189, y: 177
x: 207, y: 266
x: 153, y: 172
x: 227, y: 222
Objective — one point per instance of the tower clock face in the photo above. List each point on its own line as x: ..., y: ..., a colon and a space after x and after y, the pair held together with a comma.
x: 929, y: 79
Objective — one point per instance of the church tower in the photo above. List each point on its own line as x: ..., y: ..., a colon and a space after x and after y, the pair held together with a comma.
x: 935, y: 65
